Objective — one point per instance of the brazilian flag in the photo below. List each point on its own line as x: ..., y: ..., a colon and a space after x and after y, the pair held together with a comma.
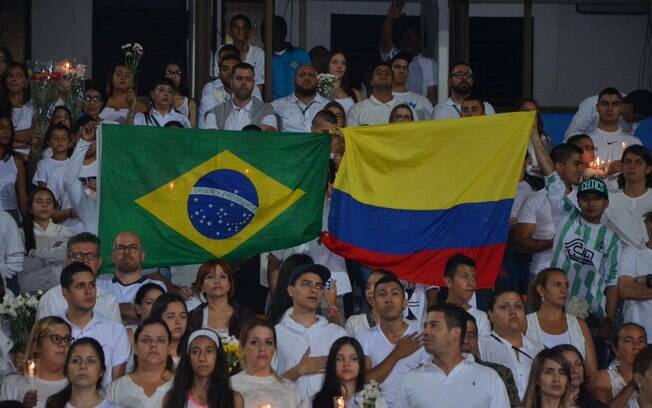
x: 193, y: 195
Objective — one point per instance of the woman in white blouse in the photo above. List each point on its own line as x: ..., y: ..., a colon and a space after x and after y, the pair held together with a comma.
x: 550, y: 325
x: 151, y: 379
x: 258, y: 383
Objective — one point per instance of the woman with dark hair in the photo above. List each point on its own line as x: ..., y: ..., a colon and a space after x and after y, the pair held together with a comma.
x: 281, y: 300
x: 579, y: 396
x: 151, y: 378
x: 13, y: 190
x: 85, y: 369
x: 342, y: 92
x: 633, y: 198
x: 143, y: 302
x: 120, y: 97
x: 549, y: 382
x: 345, y: 376
x: 202, y: 379
x: 258, y: 382
x: 182, y: 103
x: 161, y: 107
x: 401, y: 113
x: 550, y: 325
x: 220, y: 312
x: 171, y: 308
x: 338, y: 111
x: 22, y: 111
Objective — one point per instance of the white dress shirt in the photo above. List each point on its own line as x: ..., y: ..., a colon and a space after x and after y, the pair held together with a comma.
x: 295, y: 115
x: 468, y: 385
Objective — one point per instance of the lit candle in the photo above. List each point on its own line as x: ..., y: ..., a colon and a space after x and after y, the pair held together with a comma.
x: 339, y: 402
x: 30, y: 372
x: 624, y: 145
x: 264, y: 405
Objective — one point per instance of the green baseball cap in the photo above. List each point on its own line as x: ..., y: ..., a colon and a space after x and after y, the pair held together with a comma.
x: 593, y: 185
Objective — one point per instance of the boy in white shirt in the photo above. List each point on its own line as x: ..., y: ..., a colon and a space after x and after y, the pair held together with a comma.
x: 60, y: 143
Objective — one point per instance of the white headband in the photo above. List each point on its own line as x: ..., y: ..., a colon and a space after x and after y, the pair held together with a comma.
x: 211, y: 334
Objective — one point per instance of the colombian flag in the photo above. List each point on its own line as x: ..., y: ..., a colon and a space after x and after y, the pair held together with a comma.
x: 193, y: 195
x: 408, y: 196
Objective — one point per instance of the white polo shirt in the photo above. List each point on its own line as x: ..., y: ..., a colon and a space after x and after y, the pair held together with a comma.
x: 496, y: 349
x: 125, y: 293
x: 370, y: 111
x: 293, y: 340
x: 238, y: 118
x: 468, y: 385
x: 637, y: 262
x: 377, y: 347
x: 481, y: 321
x: 450, y: 109
x: 112, y: 337
x: 295, y: 115
x: 158, y: 119
x: 52, y: 303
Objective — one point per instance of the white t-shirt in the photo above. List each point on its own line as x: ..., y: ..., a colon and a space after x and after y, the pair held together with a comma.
x: 112, y: 337
x: 537, y: 210
x: 377, y: 347
x: 422, y: 72
x: 450, y: 109
x: 468, y: 385
x: 295, y: 116
x: 586, y: 119
x: 125, y: 392
x: 637, y: 262
x: 419, y: 104
x: 22, y: 118
x: 274, y: 390
x: 370, y: 111
x: 8, y: 177
x: 357, y: 323
x: 611, y: 145
x: 256, y: 58
x: 52, y: 303
x: 293, y: 340
x: 15, y: 386
x: 625, y: 216
x: 523, y: 191
x: 12, y: 250
x: 125, y: 293
x: 103, y: 404
x: 56, y: 184
x: 45, y: 168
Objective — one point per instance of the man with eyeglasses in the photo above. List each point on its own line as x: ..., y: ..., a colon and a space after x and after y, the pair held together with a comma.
x: 84, y: 247
x: 79, y: 289
x: 461, y: 280
x: 127, y: 256
x: 394, y: 346
x: 460, y: 83
x: 305, y: 338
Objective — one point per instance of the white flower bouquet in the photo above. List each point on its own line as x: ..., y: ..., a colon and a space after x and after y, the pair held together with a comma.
x: 326, y: 85
x: 369, y: 394
x: 578, y: 307
x: 19, y: 312
x: 133, y: 54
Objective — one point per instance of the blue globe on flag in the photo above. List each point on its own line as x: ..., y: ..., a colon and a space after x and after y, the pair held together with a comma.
x: 222, y: 203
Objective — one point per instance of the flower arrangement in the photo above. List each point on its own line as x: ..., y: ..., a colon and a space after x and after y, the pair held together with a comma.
x: 133, y: 54
x: 231, y: 347
x: 326, y: 85
x: 578, y: 307
x: 19, y: 314
x: 369, y: 394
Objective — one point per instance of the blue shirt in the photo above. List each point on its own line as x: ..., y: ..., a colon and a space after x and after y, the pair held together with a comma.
x: 285, y: 65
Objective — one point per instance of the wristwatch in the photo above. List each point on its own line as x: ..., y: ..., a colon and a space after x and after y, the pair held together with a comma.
x: 648, y: 281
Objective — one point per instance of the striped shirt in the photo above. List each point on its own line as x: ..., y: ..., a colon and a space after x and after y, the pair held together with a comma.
x: 587, y: 252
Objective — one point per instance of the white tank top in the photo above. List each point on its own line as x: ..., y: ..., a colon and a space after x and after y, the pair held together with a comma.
x: 572, y: 336
x: 618, y: 383
x: 115, y: 115
x: 8, y: 176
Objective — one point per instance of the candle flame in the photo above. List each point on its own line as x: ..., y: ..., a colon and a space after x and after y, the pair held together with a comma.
x: 340, y: 402
x: 31, y: 368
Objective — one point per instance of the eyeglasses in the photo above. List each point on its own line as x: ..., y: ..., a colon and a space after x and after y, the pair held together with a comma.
x: 95, y: 98
x: 84, y: 256
x: 58, y: 340
x: 132, y: 249
x: 173, y: 73
x: 460, y: 75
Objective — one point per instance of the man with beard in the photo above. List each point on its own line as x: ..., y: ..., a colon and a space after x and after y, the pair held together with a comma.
x: 376, y: 109
x: 243, y: 109
x: 460, y: 82
x: 127, y: 255
x: 419, y: 103
x: 297, y: 110
x: 393, y: 347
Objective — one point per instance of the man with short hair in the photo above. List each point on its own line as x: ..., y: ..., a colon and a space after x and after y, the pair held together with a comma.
x: 367, y: 319
x: 472, y: 106
x: 84, y: 247
x: 303, y: 337
x: 227, y: 49
x: 420, y: 104
x: 450, y: 379
x: 460, y: 83
x: 534, y: 230
x: 585, y: 143
x: 78, y: 287
x: 461, y: 280
x: 375, y: 110
x: 243, y: 109
x: 608, y: 137
x: 127, y: 256
x: 297, y: 110
x: 240, y: 27
x: 637, y: 106
x: 393, y: 347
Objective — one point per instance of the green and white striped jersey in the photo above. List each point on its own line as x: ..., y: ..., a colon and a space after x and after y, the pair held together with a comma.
x: 589, y: 253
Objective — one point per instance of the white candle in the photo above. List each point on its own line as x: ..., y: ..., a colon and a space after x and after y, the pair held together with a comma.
x: 30, y: 372
x: 339, y: 402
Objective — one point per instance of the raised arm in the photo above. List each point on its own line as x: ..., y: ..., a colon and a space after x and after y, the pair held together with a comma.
x: 394, y: 12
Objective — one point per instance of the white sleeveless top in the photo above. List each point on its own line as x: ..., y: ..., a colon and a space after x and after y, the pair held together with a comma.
x: 184, y: 109
x: 574, y: 332
x: 8, y: 176
x: 618, y: 383
x: 115, y: 115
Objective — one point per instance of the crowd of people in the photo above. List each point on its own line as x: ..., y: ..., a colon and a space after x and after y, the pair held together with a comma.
x: 565, y: 325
